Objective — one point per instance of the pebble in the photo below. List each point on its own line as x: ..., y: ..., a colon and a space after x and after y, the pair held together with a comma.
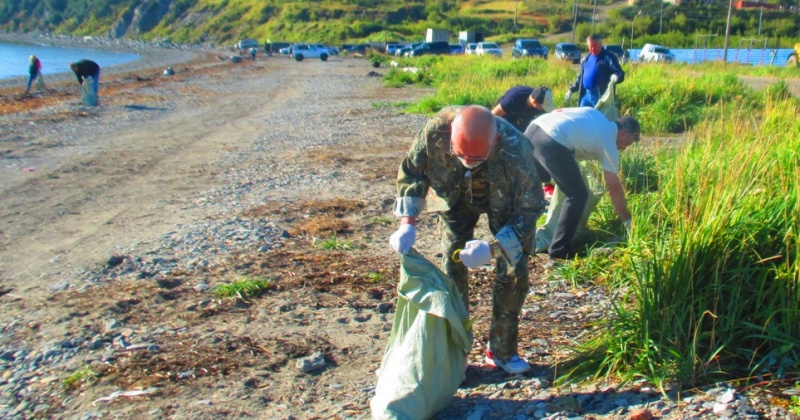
x: 311, y: 363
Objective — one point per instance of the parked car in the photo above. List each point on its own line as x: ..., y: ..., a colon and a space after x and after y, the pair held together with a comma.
x: 430, y: 48
x: 567, y: 51
x: 470, y: 48
x: 456, y: 49
x: 286, y: 50
x: 652, y: 53
x: 360, y: 48
x: 303, y: 51
x: 488, y: 48
x: 405, y: 50
x: 528, y: 48
x: 392, y: 48
x: 247, y: 43
x: 616, y: 50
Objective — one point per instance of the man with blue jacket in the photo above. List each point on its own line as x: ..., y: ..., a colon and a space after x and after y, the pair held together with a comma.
x: 598, y: 68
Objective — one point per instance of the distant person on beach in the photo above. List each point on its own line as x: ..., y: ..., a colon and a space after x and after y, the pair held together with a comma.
x: 87, y: 68
x: 34, y: 71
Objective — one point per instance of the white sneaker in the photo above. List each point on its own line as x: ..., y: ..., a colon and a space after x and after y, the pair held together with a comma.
x: 514, y: 365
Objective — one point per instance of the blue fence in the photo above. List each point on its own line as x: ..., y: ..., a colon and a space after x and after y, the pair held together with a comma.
x: 755, y: 57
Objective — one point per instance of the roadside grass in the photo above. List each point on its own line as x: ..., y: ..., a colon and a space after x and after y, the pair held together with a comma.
x: 710, y: 274
x: 243, y: 288
x: 665, y: 98
x: 708, y: 280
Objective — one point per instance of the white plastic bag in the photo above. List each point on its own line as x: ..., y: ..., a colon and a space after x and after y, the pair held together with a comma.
x: 425, y: 359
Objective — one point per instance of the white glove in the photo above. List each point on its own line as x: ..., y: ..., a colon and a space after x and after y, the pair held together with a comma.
x: 627, y: 224
x: 569, y: 95
x: 403, y: 239
x: 614, y: 78
x: 476, y: 253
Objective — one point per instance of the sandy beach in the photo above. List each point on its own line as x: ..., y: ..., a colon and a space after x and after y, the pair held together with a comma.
x: 151, y: 55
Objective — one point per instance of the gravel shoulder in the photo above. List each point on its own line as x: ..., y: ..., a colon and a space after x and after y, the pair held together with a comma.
x: 117, y: 221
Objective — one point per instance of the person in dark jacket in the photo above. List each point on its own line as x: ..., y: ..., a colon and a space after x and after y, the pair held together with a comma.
x: 598, y: 68
x: 522, y: 104
x: 87, y: 68
x: 33, y: 72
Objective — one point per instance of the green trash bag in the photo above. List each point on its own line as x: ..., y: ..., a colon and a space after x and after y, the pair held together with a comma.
x: 544, y: 234
x: 88, y: 94
x: 425, y: 359
x: 607, y: 104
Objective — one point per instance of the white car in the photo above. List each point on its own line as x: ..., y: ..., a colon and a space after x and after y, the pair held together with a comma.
x: 652, y: 53
x: 303, y: 51
x: 470, y: 48
x: 488, y: 48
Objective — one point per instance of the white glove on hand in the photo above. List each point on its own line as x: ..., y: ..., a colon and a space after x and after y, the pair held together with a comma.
x: 476, y: 253
x: 569, y: 95
x: 403, y: 239
x: 614, y: 78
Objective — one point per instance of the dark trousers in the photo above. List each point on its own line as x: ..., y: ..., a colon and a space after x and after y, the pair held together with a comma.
x: 509, y: 290
x: 560, y: 163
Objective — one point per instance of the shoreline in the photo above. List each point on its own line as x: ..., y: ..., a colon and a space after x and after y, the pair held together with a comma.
x: 152, y: 55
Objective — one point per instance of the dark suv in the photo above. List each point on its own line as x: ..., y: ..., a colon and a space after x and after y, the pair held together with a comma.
x: 435, y: 48
x: 568, y: 51
x: 528, y: 48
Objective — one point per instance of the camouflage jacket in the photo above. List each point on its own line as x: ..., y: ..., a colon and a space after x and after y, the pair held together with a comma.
x: 514, y: 190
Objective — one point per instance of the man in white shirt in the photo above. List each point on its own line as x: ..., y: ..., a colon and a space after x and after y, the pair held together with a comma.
x: 563, y: 137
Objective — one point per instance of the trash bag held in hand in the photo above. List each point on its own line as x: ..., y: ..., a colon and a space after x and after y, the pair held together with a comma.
x: 88, y: 94
x: 607, y: 105
x: 425, y: 359
x: 39, y: 83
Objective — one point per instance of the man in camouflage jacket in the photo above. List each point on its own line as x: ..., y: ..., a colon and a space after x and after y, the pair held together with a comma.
x: 473, y: 163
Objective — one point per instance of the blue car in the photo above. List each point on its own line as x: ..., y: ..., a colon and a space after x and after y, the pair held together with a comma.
x: 456, y: 49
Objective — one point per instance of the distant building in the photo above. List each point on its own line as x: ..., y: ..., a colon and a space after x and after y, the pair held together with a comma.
x: 468, y: 37
x: 436, y: 35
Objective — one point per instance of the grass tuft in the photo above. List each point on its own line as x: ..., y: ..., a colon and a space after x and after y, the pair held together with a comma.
x: 333, y: 243
x: 77, y: 378
x: 244, y: 288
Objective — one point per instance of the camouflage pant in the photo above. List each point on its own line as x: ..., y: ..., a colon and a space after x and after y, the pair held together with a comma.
x: 457, y: 226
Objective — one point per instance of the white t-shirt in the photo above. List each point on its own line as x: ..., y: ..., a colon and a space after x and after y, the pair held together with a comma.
x: 585, y: 131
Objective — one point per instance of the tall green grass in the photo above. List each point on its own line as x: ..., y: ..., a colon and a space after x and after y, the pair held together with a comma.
x: 708, y: 282
x: 665, y: 98
x: 711, y: 276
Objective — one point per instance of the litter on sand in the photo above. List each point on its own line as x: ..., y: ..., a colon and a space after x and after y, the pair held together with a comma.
x: 118, y: 394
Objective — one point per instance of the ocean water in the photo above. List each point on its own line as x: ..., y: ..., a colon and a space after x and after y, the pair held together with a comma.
x: 15, y: 58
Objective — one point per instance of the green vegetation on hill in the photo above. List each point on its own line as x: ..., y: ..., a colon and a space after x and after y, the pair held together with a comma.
x: 225, y: 21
